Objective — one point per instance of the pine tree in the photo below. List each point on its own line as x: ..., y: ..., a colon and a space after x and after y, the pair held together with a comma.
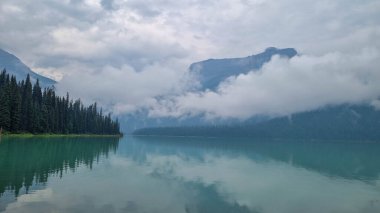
x: 15, y: 104
x: 27, y: 105
x: 24, y: 107
x: 5, y: 114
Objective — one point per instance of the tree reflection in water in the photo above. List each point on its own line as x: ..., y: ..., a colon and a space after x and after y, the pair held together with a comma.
x: 25, y: 162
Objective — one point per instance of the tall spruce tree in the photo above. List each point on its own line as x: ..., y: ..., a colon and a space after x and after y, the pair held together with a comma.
x: 5, y: 114
x: 24, y: 107
x: 15, y: 104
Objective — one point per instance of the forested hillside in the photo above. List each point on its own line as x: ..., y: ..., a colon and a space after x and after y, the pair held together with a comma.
x: 29, y: 108
x: 344, y: 122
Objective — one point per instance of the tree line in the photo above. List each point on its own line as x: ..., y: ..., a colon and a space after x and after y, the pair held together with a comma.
x: 344, y: 122
x: 27, y: 108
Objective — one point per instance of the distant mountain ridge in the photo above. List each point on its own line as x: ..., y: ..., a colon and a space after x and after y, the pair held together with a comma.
x: 212, y: 72
x: 344, y: 122
x: 16, y: 67
x: 341, y: 122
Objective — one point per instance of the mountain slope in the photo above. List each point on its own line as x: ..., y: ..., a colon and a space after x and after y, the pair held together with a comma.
x: 16, y: 67
x: 213, y: 71
x: 345, y: 122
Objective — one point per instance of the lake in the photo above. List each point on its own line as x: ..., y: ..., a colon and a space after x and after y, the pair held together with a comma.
x: 163, y: 174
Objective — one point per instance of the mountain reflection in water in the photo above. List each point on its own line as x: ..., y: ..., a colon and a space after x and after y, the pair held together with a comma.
x: 160, y: 174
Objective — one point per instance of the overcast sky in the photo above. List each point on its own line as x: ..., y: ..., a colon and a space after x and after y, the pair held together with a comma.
x: 125, y: 53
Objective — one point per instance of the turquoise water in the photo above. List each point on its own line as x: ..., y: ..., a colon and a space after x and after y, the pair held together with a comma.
x: 153, y: 174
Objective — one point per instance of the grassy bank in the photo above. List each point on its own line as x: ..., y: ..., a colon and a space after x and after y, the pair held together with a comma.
x: 25, y: 135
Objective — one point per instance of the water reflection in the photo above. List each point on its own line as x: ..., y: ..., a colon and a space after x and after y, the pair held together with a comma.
x: 150, y: 174
x: 349, y: 160
x: 267, y: 176
x: 27, y: 162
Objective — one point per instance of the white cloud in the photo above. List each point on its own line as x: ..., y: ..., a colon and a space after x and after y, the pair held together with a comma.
x: 119, y: 91
x: 75, y: 43
x: 283, y: 87
x: 83, y: 39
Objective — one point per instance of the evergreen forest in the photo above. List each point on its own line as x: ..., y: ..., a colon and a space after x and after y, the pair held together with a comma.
x: 28, y: 108
x: 342, y: 122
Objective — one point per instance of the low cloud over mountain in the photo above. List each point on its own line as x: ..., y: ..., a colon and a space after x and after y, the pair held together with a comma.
x: 133, y: 56
x: 285, y: 86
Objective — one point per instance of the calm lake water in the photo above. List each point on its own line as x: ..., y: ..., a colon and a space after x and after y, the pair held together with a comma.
x: 152, y: 174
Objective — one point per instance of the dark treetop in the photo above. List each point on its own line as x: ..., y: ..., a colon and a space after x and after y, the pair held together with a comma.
x: 27, y: 108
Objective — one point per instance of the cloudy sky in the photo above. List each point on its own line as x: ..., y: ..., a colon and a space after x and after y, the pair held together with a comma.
x: 126, y: 53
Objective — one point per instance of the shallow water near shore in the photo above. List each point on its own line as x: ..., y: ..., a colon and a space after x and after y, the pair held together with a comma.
x: 160, y: 174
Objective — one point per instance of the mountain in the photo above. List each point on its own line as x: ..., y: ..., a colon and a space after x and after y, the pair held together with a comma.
x: 344, y: 122
x: 16, y: 67
x: 212, y: 72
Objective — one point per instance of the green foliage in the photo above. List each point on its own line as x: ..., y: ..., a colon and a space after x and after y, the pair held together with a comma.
x: 343, y: 122
x: 5, y: 106
x: 27, y: 108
